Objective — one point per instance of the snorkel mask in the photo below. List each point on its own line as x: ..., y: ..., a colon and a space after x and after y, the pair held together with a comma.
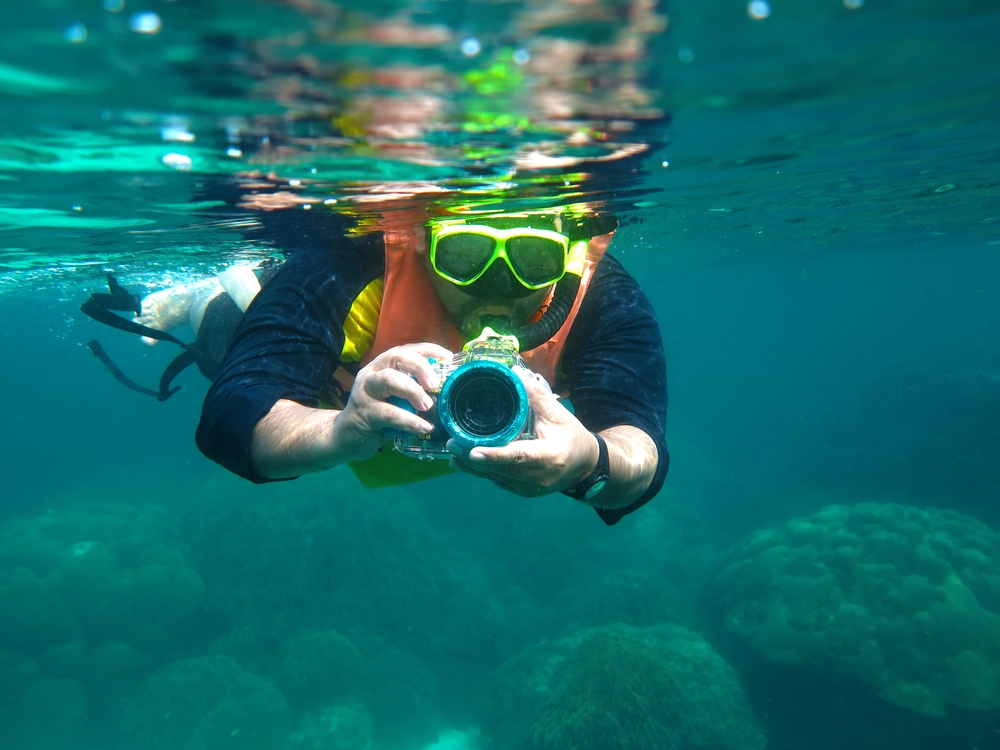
x: 463, y: 252
x: 504, y: 255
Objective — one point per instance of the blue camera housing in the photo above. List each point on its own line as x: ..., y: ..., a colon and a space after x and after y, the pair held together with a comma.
x: 482, y: 401
x: 461, y: 427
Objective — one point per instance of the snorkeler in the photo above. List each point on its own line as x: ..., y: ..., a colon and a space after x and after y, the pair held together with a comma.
x: 352, y: 326
x: 340, y: 311
x: 212, y: 306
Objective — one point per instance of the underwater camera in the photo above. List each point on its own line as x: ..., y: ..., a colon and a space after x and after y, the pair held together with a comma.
x: 481, y: 401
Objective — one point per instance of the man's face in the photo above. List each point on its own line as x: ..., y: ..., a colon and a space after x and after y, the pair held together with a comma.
x: 468, y: 311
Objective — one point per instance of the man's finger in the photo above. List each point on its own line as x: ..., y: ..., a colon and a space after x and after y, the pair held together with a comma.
x: 543, y: 402
x: 432, y: 351
x: 414, y: 360
x: 459, y: 465
x: 515, y: 452
x: 384, y: 384
x: 503, y: 481
x: 383, y: 416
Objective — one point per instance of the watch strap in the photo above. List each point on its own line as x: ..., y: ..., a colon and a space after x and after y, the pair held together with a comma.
x: 592, y: 484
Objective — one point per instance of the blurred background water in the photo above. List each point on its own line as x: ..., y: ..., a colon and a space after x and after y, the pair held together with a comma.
x: 818, y: 230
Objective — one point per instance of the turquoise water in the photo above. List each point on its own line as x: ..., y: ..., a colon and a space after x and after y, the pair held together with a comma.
x: 819, y: 236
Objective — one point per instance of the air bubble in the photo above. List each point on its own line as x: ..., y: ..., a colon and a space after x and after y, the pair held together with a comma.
x: 76, y: 33
x: 146, y: 22
x: 758, y: 9
x: 180, y: 162
x: 471, y: 47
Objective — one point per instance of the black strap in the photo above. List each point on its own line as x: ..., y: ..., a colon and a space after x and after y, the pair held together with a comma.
x: 98, y: 350
x: 99, y: 307
x: 165, y: 391
x: 179, y: 363
x: 119, y: 298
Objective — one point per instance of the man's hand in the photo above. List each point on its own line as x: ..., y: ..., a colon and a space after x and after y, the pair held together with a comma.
x: 403, y: 372
x: 563, y: 454
x: 293, y: 439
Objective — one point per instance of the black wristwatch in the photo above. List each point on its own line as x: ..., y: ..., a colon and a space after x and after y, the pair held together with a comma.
x: 594, y: 483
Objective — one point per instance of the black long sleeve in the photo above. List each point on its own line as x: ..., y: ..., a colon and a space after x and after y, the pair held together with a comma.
x: 614, y: 368
x: 287, y: 346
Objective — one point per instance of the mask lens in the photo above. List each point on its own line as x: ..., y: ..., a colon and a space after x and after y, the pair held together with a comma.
x: 538, y: 260
x: 462, y: 256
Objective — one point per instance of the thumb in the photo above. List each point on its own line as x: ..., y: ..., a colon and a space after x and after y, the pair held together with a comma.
x: 542, y: 400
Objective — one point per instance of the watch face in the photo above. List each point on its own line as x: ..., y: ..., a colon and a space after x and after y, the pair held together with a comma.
x: 595, y: 489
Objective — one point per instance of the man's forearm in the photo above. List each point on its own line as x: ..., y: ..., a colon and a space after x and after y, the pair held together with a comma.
x: 633, y: 457
x: 293, y: 439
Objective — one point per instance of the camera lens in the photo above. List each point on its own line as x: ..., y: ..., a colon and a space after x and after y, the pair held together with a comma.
x: 484, y: 402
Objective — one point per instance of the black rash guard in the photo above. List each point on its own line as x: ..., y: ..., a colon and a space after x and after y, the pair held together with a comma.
x: 291, y: 338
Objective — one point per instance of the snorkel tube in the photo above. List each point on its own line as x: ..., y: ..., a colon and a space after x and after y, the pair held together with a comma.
x: 535, y: 334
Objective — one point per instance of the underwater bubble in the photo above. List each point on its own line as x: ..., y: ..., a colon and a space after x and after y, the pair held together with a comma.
x: 177, y: 161
x: 521, y: 56
x: 685, y: 55
x: 853, y: 4
x: 758, y: 9
x: 234, y: 152
x: 146, y: 22
x: 114, y: 6
x: 76, y: 33
x: 82, y: 548
x: 177, y: 134
x: 471, y: 47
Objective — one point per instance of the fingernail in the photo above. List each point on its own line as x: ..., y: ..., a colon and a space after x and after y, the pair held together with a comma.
x: 426, y: 403
x: 477, y: 455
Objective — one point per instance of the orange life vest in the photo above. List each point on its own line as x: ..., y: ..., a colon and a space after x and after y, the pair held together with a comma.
x: 411, y: 312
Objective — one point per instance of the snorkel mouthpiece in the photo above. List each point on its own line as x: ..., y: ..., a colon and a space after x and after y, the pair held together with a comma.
x: 535, y: 334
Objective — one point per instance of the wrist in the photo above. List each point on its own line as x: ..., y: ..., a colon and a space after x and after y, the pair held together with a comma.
x: 349, y: 439
x: 591, y: 484
x: 590, y: 456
